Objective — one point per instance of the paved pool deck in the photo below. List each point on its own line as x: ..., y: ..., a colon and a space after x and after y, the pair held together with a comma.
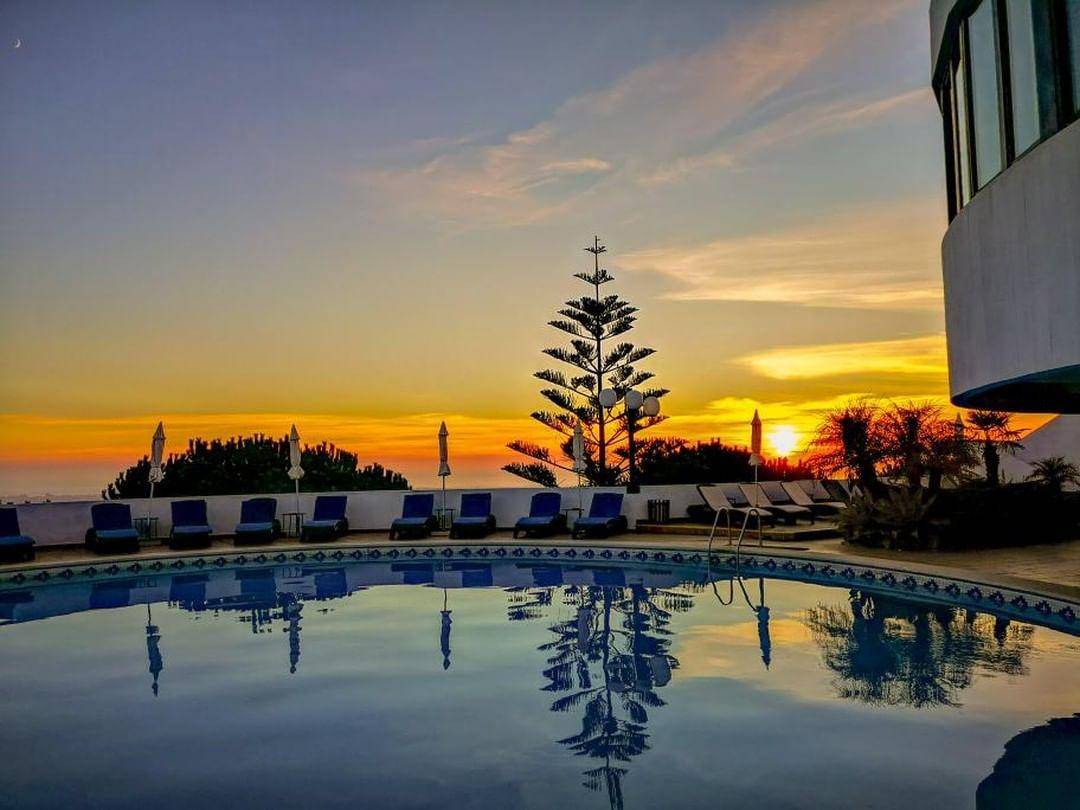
x: 1052, y: 569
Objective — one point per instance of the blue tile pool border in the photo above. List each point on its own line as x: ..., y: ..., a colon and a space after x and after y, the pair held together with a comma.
x: 1025, y: 605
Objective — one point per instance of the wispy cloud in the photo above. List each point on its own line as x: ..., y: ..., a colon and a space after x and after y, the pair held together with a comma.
x: 877, y: 258
x: 803, y: 120
x: 642, y: 127
x: 923, y: 356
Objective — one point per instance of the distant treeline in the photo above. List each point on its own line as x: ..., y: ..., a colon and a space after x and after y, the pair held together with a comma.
x: 678, y: 461
x: 252, y: 464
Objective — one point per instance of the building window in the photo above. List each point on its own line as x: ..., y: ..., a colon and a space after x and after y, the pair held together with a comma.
x: 1031, y: 71
x: 985, y: 92
x: 1072, y: 24
x: 1011, y: 80
x: 960, y: 132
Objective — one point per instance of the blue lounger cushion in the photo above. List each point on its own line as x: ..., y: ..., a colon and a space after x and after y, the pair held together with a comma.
x: 329, y: 509
x: 472, y: 521
x: 189, y: 518
x: 9, y: 523
x: 254, y: 528
x: 117, y: 534
x: 539, y: 520
x: 192, y: 530
x: 16, y: 541
x: 106, y: 517
x: 322, y: 524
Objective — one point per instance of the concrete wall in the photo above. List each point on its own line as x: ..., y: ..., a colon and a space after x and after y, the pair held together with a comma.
x: 65, y: 523
x: 1011, y: 262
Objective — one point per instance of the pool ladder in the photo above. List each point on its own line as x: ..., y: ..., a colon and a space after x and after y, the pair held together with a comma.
x: 753, y: 511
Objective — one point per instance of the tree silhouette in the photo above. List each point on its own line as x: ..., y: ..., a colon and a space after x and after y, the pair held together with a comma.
x: 609, y: 660
x: 252, y: 464
x: 1054, y: 473
x: 996, y: 434
x: 887, y: 651
x: 592, y: 322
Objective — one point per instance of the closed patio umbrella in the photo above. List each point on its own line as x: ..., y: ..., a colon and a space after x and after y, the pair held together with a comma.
x: 296, y: 472
x: 444, y: 461
x: 157, y: 451
x: 755, y: 449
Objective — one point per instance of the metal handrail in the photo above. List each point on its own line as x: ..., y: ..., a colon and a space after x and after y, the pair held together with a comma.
x: 753, y: 511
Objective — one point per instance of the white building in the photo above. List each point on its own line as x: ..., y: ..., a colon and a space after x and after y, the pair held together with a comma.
x: 1006, y: 74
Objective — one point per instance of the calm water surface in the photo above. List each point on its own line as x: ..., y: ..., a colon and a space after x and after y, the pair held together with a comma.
x: 574, y: 687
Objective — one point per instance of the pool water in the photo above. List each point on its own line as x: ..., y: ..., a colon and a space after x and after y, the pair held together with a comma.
x: 433, y: 684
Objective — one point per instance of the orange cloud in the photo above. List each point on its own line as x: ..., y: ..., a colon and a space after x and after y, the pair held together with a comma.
x: 922, y: 355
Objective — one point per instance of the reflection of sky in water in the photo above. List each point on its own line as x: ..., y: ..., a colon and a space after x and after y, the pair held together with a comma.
x: 391, y: 697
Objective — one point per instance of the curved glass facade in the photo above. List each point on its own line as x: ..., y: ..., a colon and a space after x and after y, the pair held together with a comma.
x: 1010, y: 79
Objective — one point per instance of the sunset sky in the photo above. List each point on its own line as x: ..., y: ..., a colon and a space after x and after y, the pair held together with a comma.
x: 358, y: 217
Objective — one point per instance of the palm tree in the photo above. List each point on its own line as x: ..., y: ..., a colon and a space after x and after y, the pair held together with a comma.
x: 851, y: 440
x: 996, y: 434
x: 1054, y: 472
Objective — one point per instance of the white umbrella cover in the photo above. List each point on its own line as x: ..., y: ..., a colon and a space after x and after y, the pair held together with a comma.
x: 296, y: 472
x: 157, y: 452
x: 755, y: 440
x: 579, y: 449
x: 444, y: 451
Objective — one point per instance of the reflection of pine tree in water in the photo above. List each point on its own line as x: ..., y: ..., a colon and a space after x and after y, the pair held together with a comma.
x: 612, y: 668
x: 891, y: 652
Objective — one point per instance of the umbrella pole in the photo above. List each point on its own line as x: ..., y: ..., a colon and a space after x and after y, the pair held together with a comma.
x: 150, y: 505
x: 297, y: 482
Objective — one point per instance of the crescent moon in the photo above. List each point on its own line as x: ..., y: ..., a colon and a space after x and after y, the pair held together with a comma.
x: 18, y: 43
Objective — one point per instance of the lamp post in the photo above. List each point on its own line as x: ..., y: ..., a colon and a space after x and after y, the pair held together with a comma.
x: 637, y: 405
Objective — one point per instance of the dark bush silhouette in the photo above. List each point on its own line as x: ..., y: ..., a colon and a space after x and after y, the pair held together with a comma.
x: 678, y: 461
x: 252, y: 464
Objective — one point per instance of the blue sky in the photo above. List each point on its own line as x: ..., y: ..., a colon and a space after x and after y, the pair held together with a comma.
x: 360, y: 216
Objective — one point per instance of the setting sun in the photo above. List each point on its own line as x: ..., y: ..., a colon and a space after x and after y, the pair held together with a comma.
x: 784, y: 440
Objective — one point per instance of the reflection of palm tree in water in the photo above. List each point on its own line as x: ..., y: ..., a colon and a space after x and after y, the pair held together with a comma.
x: 633, y: 661
x: 892, y: 652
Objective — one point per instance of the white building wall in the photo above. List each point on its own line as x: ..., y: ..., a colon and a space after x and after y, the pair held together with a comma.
x: 1011, y: 261
x: 66, y: 523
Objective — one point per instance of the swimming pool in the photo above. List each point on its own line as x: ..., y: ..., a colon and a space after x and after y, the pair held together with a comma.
x: 530, y: 678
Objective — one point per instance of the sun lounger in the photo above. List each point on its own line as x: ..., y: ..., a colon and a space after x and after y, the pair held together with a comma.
x: 842, y: 491
x: 475, y: 518
x: 111, y: 528
x: 257, y: 521
x: 190, y: 528
x: 14, y: 545
x: 604, y: 518
x: 417, y: 517
x: 720, y: 504
x: 329, y: 521
x: 814, y: 496
x: 545, y: 516
x: 772, y: 496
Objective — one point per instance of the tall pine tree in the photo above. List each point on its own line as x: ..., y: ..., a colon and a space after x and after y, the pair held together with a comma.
x: 597, y: 360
